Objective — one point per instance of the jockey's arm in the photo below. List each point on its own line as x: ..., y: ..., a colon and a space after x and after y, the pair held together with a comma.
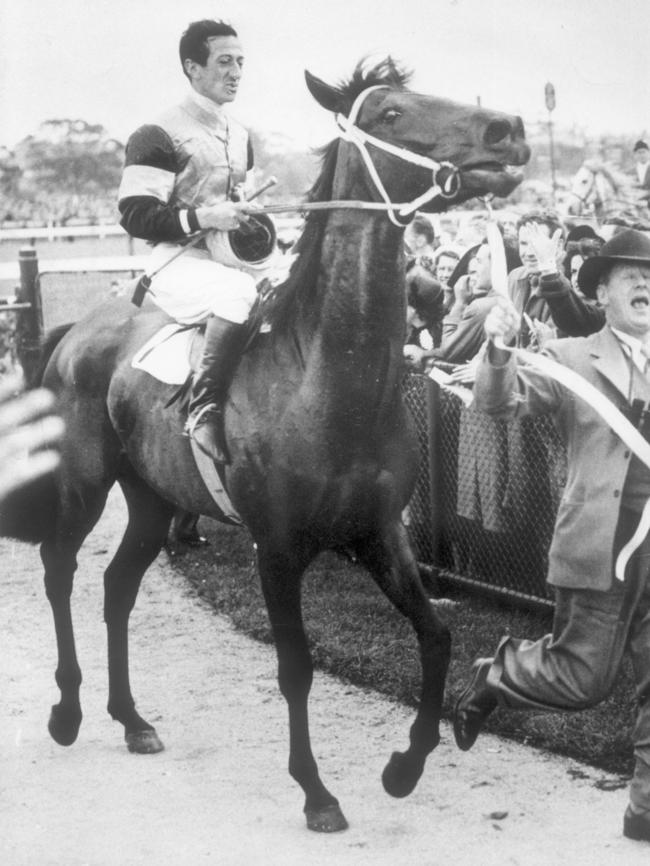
x: 147, y: 183
x: 146, y: 188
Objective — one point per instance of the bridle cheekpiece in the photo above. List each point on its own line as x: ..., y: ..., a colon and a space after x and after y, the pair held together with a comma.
x: 445, y: 175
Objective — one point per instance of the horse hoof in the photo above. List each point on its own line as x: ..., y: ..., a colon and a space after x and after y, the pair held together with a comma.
x: 64, y: 725
x: 144, y: 742
x: 329, y: 819
x: 401, y: 774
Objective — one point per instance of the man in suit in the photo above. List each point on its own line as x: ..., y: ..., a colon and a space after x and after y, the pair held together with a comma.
x: 641, y: 153
x: 597, y: 617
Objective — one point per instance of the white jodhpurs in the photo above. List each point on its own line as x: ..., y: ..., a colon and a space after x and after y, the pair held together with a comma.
x: 194, y: 287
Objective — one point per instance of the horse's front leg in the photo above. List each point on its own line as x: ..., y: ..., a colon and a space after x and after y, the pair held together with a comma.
x: 389, y: 558
x: 281, y: 577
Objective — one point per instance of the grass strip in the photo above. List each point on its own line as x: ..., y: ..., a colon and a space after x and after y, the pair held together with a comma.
x: 357, y: 635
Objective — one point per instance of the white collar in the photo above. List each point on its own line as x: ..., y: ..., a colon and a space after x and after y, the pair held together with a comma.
x: 636, y: 347
x: 215, y: 111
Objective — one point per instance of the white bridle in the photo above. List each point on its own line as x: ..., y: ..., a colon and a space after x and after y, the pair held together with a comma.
x: 445, y: 188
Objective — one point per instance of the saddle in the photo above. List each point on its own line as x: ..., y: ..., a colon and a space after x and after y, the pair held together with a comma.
x: 173, y: 353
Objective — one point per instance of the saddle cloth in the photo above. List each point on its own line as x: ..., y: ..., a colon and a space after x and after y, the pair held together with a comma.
x: 167, y: 356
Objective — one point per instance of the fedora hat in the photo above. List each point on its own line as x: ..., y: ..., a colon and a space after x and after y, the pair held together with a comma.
x: 626, y: 246
x: 640, y: 145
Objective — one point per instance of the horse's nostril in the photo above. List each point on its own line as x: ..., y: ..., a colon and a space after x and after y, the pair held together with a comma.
x: 496, y: 131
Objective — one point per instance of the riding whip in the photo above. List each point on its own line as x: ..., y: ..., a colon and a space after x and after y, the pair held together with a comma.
x: 143, y: 284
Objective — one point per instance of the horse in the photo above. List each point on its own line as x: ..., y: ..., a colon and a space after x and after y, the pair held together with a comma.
x: 601, y: 192
x: 323, y: 453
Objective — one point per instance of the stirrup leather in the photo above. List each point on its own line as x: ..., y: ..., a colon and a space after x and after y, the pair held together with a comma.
x: 197, y: 418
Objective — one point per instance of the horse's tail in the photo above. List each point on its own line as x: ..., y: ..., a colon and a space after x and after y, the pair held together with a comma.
x: 48, y: 344
x: 28, y: 513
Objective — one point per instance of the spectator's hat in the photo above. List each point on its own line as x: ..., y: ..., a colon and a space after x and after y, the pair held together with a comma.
x: 463, y: 264
x: 627, y: 246
x: 640, y: 145
x: 424, y: 294
x: 580, y: 232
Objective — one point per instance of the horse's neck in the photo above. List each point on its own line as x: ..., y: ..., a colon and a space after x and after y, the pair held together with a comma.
x: 362, y: 266
x: 358, y: 329
x: 361, y: 287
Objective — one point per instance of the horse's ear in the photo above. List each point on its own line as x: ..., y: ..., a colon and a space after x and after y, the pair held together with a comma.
x: 329, y: 97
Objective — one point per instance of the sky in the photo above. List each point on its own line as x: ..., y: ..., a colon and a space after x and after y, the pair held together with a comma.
x: 115, y: 62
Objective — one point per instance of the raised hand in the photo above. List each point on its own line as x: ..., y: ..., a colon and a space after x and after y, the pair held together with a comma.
x: 503, y: 321
x: 547, y: 250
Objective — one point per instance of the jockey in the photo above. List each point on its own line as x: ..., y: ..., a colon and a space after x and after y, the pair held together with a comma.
x: 182, y: 174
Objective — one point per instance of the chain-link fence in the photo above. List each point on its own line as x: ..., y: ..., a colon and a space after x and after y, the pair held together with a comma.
x: 66, y: 296
x: 483, y: 509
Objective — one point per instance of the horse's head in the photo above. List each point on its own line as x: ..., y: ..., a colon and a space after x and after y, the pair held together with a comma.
x: 428, y: 151
x: 583, y: 190
x: 595, y: 189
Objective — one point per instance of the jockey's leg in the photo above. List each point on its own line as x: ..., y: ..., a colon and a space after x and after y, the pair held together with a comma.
x: 193, y: 288
x: 224, y: 342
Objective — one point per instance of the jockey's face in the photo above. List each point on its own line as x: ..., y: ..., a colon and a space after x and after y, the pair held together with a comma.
x: 625, y: 297
x: 219, y: 79
x: 642, y: 155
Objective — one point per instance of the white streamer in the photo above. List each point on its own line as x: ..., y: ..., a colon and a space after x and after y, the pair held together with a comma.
x: 582, y: 388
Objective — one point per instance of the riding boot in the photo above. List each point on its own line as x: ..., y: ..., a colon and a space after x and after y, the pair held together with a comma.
x: 224, y: 342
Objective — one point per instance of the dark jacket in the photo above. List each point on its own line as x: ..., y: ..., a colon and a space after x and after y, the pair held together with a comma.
x: 572, y: 314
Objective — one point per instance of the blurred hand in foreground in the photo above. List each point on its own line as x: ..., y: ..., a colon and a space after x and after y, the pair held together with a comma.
x: 29, y: 435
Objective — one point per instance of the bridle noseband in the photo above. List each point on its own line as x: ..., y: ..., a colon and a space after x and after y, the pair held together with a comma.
x: 445, y: 175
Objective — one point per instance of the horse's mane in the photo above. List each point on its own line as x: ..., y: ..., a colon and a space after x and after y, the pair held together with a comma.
x: 296, y: 294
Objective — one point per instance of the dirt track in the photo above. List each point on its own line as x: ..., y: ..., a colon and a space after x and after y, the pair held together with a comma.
x: 220, y: 793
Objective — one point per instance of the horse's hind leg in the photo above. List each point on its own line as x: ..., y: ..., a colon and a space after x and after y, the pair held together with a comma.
x: 280, y: 575
x: 390, y: 560
x: 59, y: 556
x: 149, y: 518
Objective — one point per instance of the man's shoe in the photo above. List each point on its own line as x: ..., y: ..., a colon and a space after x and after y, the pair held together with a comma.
x: 206, y: 429
x: 636, y: 826
x: 473, y: 706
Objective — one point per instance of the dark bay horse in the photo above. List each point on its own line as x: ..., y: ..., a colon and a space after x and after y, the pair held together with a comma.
x: 323, y: 456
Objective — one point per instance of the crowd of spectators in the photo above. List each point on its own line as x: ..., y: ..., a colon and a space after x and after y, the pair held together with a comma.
x: 57, y: 209
x: 508, y: 476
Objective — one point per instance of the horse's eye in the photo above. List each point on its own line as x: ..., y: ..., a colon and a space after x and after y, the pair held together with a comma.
x: 391, y: 115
